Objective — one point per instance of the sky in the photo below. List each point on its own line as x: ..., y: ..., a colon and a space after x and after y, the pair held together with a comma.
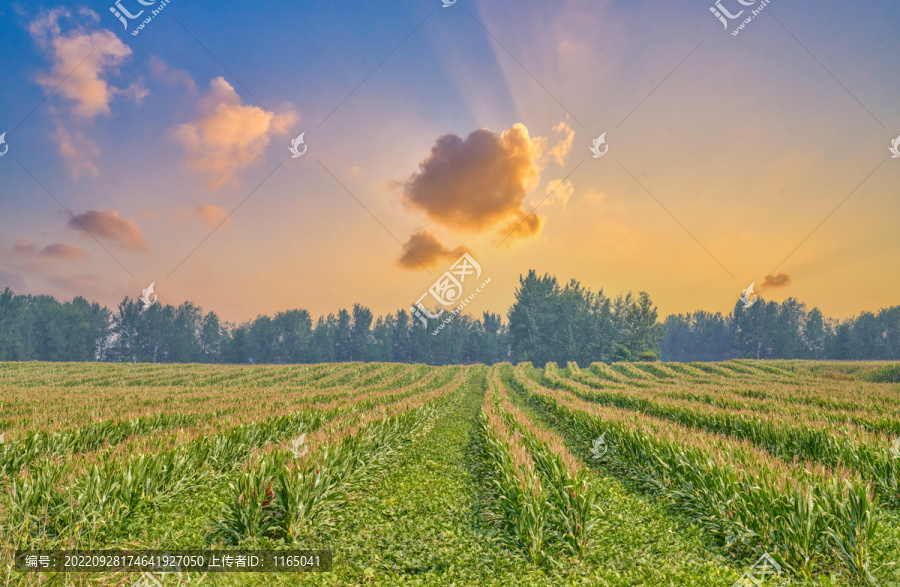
x: 728, y: 155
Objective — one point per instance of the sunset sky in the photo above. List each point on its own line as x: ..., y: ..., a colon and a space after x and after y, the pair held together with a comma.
x: 432, y: 131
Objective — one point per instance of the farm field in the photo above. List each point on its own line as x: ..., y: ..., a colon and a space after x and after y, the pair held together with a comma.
x: 623, y: 474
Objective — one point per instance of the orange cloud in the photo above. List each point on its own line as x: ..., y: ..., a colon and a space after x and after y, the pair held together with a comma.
x: 63, y: 251
x: 83, y: 59
x: 524, y: 227
x: 476, y: 183
x: 213, y: 215
x: 424, y: 248
x: 106, y: 224
x: 564, y: 146
x: 24, y: 248
x: 775, y: 281
x: 228, y: 136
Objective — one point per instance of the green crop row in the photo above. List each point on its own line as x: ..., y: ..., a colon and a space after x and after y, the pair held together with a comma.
x: 788, y: 438
x: 538, y: 502
x: 16, y: 454
x: 809, y: 522
x: 88, y: 510
x: 49, y: 507
x: 518, y: 502
x: 279, y: 499
x: 284, y: 493
x: 573, y: 507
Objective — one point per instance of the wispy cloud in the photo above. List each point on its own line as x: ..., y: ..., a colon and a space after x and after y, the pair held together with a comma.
x: 78, y: 152
x: 560, y: 150
x: 559, y: 192
x: 25, y: 249
x: 213, y: 215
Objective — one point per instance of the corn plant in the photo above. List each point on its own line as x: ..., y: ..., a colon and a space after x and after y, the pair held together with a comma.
x: 248, y: 513
x: 34, y: 502
x: 853, y: 544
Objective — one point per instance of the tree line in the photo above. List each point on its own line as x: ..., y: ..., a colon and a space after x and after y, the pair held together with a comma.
x: 769, y: 330
x: 548, y: 321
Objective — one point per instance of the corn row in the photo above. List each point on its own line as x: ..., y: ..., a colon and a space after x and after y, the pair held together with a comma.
x: 789, y: 436
x: 285, y: 493
x: 518, y: 501
x: 810, y: 520
x: 573, y: 505
x: 109, y: 490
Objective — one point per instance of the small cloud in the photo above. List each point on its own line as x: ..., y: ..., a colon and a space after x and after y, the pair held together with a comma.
x: 559, y: 192
x: 214, y: 215
x: 106, y: 224
x: 64, y: 251
x: 228, y: 136
x: 521, y: 228
x: 83, y: 59
x: 564, y: 146
x: 424, y: 248
x: 29, y: 255
x: 78, y: 152
x: 89, y: 14
x: 24, y: 248
x: 479, y: 182
x: 775, y: 281
x: 165, y: 72
x: 594, y: 197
